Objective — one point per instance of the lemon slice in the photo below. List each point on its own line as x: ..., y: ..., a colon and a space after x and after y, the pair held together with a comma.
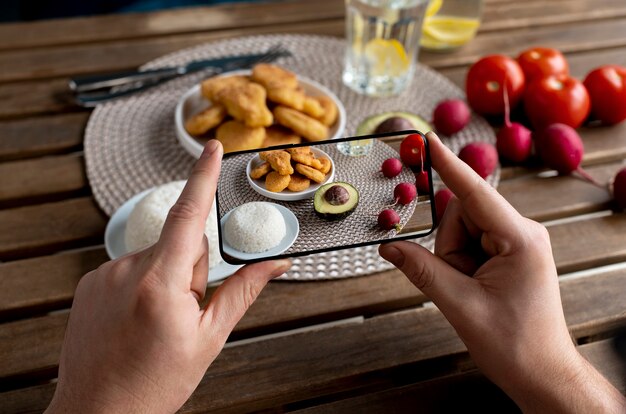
x: 387, y: 57
x: 453, y: 31
x: 433, y: 7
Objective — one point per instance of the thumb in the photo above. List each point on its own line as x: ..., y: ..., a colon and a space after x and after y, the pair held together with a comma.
x: 448, y: 288
x: 238, y: 292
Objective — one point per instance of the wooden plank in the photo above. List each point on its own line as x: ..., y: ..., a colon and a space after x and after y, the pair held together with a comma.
x: 589, y: 243
x: 472, y: 391
x: 44, y: 283
x: 548, y: 198
x: 42, y: 179
x: 46, y: 228
x: 496, y: 16
x: 81, y: 59
x: 167, y: 22
x: 46, y: 135
x: 319, y: 362
x: 509, y: 15
x: 40, y: 97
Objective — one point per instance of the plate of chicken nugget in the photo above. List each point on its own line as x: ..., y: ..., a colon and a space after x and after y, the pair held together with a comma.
x: 291, y: 174
x: 263, y: 107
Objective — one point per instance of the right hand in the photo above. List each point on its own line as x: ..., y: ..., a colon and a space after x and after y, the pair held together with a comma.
x: 494, y: 278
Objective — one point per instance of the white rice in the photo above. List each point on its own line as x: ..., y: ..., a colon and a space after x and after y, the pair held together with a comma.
x: 148, y: 216
x: 255, y: 227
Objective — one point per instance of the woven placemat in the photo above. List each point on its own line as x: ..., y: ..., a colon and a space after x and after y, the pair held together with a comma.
x: 130, y: 143
x: 375, y: 191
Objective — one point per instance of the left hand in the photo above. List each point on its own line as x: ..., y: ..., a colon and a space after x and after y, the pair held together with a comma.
x: 137, y: 339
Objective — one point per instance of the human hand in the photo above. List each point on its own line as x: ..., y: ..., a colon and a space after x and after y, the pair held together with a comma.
x: 494, y: 278
x: 137, y: 339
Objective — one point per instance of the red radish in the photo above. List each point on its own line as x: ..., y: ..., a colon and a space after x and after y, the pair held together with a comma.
x: 514, y: 141
x: 404, y: 193
x: 442, y: 197
x: 481, y: 156
x: 391, y: 167
x: 619, y: 189
x: 412, y: 151
x: 388, y: 219
x: 561, y: 149
x: 421, y: 182
x: 451, y: 116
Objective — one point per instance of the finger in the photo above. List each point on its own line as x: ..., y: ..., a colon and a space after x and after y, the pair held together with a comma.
x: 201, y: 270
x: 448, y: 288
x: 456, y: 241
x: 482, y: 203
x: 233, y: 298
x: 184, y: 227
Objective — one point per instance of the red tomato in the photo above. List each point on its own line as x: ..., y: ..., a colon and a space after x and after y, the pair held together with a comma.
x: 484, y: 84
x: 607, y: 89
x: 556, y: 99
x: 413, y: 151
x: 542, y: 61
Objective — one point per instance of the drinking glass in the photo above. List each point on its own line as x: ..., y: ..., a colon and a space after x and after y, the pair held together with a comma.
x: 383, y: 38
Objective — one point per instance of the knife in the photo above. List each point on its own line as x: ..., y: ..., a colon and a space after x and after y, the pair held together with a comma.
x: 94, y: 89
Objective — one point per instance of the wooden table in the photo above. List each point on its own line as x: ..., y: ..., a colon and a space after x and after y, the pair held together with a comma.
x: 367, y: 344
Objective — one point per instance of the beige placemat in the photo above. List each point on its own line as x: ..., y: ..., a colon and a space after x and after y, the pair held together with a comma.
x: 130, y: 143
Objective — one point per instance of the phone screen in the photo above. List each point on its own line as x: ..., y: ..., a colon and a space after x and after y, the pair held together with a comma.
x: 295, y: 200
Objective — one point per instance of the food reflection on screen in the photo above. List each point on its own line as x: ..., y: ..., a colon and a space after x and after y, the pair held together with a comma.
x: 325, y: 198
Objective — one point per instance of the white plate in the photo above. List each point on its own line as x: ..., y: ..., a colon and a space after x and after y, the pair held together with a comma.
x: 292, y: 227
x: 193, y: 102
x: 115, y: 236
x: 286, y: 195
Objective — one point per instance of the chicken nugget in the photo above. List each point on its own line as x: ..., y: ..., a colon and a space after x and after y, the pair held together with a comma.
x: 330, y: 110
x: 264, y: 154
x: 272, y: 76
x: 246, y: 103
x: 205, y: 120
x: 212, y: 86
x: 312, y: 107
x: 300, y: 150
x: 317, y: 164
x: 298, y: 183
x: 277, y: 135
x: 302, y: 158
x: 325, y: 165
x: 260, y: 171
x: 293, y: 98
x: 276, y: 183
x: 311, y: 173
x: 235, y: 136
x: 280, y: 162
x: 303, y: 125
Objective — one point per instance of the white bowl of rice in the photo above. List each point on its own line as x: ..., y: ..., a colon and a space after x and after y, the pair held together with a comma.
x: 258, y: 230
x: 137, y: 224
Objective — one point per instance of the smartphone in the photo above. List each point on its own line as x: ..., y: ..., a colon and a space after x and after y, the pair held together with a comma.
x: 299, y: 199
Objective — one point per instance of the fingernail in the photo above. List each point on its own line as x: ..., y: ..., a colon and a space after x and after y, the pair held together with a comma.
x: 281, y: 267
x: 210, y: 147
x: 392, y: 254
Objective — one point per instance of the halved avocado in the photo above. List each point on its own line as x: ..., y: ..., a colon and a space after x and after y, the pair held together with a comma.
x: 369, y: 125
x: 335, y: 201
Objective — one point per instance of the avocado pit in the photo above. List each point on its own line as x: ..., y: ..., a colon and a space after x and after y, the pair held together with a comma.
x: 337, y: 195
